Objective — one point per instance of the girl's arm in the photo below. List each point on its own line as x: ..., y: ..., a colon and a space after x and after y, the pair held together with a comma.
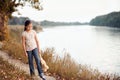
x: 37, y: 42
x: 23, y: 44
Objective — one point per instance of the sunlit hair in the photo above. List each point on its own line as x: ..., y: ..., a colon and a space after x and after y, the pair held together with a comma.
x: 27, y: 22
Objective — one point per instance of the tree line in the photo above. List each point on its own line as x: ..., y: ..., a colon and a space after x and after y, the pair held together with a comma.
x: 20, y: 21
x: 112, y: 19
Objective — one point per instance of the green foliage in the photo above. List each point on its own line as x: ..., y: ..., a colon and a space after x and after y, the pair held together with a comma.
x: 7, y: 7
x: 112, y: 20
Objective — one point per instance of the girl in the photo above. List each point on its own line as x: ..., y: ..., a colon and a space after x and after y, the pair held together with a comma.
x: 31, y: 48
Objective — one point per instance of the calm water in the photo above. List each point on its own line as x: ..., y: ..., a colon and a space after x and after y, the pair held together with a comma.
x: 95, y: 46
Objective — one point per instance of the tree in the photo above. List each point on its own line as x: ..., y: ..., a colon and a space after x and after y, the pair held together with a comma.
x: 7, y: 7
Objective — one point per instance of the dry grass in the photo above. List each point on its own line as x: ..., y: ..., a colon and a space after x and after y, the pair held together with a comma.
x: 8, y: 72
x: 63, y: 68
x: 13, y: 45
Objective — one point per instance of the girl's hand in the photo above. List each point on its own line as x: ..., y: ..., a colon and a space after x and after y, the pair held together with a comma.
x: 25, y: 53
x: 39, y: 51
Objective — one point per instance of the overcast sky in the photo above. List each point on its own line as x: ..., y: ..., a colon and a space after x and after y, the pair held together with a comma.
x: 70, y: 10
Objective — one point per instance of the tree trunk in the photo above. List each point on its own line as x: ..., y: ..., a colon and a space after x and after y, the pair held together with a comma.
x: 4, y: 27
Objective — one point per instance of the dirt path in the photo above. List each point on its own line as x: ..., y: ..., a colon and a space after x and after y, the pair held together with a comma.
x: 21, y: 66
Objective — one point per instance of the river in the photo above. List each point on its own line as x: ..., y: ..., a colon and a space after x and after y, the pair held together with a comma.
x: 91, y: 45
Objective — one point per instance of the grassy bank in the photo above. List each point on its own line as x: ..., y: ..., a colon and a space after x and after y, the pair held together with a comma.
x: 63, y: 68
x: 8, y: 72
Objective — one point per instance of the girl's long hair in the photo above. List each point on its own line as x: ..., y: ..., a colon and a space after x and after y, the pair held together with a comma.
x: 27, y: 22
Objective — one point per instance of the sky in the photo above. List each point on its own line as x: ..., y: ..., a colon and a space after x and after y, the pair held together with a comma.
x: 69, y: 10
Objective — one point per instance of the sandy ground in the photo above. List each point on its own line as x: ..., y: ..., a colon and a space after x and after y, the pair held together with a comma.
x: 24, y: 67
